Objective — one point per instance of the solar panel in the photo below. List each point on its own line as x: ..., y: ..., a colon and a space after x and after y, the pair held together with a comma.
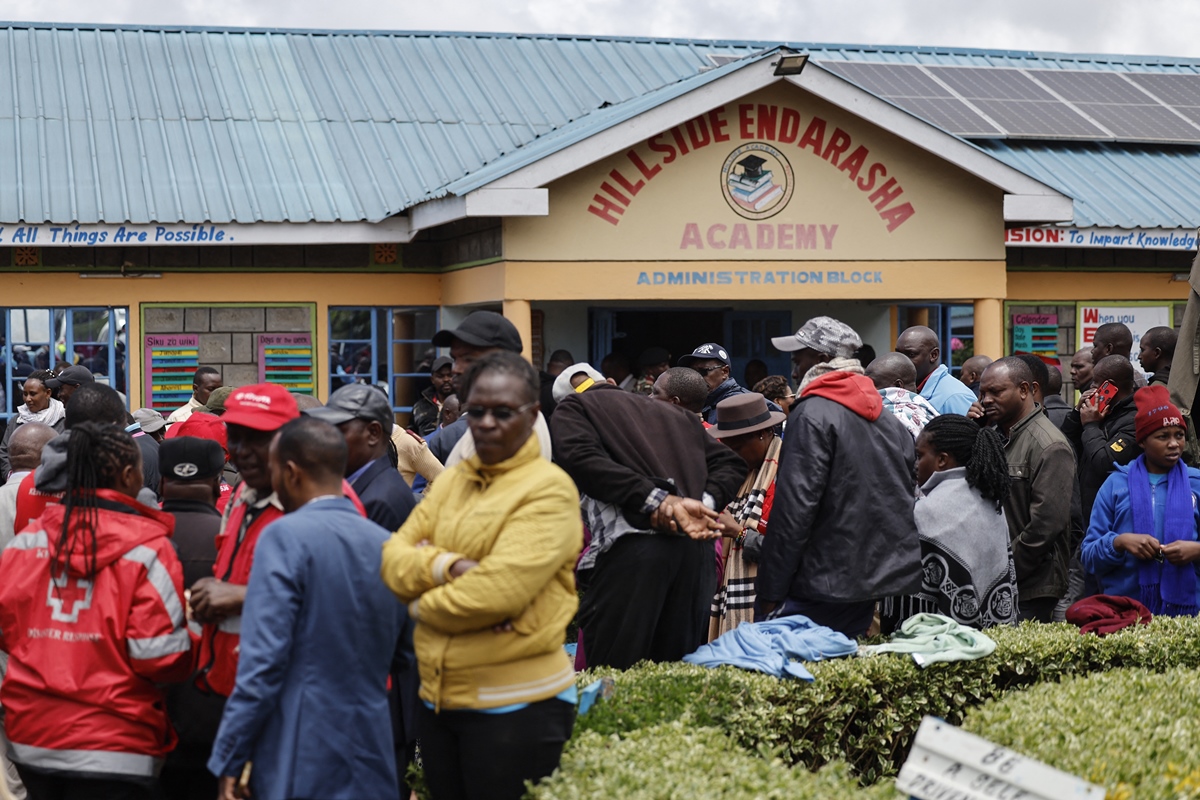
x: 1145, y: 123
x: 1048, y: 120
x: 1038, y: 103
x: 991, y: 83
x: 910, y: 88
x: 1174, y: 90
x: 890, y: 80
x: 1093, y: 87
x: 948, y: 114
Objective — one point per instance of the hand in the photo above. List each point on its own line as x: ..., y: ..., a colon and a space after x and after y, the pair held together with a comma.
x: 227, y: 789
x: 1084, y: 397
x: 695, y: 519
x: 975, y: 412
x: 214, y: 600
x: 1089, y: 412
x: 730, y: 527
x: 1138, y: 545
x: 1181, y: 552
x: 463, y: 565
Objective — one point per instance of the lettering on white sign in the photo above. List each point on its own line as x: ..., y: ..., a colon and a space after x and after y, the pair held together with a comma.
x: 947, y: 763
x: 1102, y: 238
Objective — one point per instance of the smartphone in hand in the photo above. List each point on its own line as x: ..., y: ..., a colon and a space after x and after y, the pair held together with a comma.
x: 1104, y: 396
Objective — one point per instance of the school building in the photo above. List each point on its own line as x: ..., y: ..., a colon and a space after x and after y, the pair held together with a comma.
x: 310, y: 206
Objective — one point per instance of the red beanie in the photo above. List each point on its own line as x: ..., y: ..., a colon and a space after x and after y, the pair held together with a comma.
x: 1154, y: 411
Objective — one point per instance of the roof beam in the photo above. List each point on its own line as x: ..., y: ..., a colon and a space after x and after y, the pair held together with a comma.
x: 1038, y: 208
x: 489, y: 202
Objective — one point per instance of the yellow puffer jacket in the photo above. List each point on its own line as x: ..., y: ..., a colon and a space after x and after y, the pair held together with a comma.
x: 520, y: 520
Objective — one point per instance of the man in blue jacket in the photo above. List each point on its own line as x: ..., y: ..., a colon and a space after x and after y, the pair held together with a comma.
x: 364, y: 416
x: 944, y: 392
x: 309, y: 708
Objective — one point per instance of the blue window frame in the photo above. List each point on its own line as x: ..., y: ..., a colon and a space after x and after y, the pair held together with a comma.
x: 50, y: 338
x: 389, y: 347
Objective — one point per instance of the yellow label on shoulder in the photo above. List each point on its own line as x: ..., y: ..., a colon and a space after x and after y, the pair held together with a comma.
x: 1117, y: 446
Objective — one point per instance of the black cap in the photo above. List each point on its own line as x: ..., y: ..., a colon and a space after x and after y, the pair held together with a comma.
x: 482, y: 329
x: 356, y: 401
x: 190, y: 458
x: 441, y: 362
x: 706, y: 352
x: 71, y: 376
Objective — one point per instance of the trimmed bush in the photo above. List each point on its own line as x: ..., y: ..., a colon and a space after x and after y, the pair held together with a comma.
x: 679, y: 760
x: 1132, y: 731
x: 866, y: 711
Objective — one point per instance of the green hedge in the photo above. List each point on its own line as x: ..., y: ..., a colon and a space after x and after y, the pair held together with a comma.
x: 865, y: 711
x: 679, y: 760
x: 1133, y: 731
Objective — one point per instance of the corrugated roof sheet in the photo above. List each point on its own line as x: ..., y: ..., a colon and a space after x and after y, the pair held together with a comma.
x: 138, y: 124
x: 1114, y: 185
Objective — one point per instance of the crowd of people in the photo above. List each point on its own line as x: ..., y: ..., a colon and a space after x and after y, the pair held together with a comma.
x: 265, y: 596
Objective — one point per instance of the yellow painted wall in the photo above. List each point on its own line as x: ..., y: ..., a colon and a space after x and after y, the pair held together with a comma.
x: 655, y: 202
x: 1072, y: 286
x: 333, y: 289
x: 746, y: 281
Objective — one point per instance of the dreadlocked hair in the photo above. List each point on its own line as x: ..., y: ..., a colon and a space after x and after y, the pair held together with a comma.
x: 980, y: 450
x: 96, y: 455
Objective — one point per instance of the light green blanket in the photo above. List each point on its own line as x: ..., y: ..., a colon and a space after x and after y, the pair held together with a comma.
x: 931, y: 638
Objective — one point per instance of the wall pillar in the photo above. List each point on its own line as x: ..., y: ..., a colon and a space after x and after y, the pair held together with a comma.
x: 519, y: 313
x: 989, y: 328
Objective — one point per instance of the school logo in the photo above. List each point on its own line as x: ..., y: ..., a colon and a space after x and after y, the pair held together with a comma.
x: 757, y: 181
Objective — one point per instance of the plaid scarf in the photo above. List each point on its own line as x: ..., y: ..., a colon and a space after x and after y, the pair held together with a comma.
x: 733, y: 603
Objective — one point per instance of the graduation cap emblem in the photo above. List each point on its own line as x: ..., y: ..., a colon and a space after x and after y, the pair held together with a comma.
x: 757, y: 181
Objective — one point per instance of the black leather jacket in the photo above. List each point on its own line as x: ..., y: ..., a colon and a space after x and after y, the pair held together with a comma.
x: 842, y: 527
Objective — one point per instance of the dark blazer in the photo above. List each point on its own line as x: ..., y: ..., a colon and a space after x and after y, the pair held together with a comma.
x: 389, y: 501
x: 318, y: 633
x: 385, y: 495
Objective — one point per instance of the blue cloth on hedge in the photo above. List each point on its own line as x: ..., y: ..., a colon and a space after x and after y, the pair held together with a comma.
x: 935, y: 638
x: 1118, y: 572
x: 769, y: 647
x: 1165, y: 588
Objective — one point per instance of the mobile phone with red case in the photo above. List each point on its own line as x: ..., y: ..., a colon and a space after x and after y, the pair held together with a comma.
x: 1104, y: 395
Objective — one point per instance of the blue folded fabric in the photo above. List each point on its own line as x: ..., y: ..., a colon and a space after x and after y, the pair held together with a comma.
x: 769, y: 647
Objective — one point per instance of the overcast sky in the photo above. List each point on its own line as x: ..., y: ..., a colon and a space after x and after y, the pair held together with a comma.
x: 1154, y: 27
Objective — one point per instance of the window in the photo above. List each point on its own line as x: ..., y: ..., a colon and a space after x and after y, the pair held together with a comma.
x: 52, y: 338
x: 389, y: 347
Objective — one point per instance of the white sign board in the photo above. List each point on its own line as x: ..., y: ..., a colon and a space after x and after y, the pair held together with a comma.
x: 1138, y: 319
x: 947, y: 763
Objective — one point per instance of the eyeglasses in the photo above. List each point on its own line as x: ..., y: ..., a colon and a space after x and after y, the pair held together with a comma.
x: 706, y: 370
x: 499, y: 413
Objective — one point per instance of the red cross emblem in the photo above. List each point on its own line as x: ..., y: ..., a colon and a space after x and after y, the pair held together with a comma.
x: 67, y: 596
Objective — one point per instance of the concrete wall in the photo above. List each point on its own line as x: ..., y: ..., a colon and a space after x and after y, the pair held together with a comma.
x: 229, y: 334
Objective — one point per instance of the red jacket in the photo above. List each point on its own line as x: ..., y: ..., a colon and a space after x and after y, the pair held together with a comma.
x: 218, y: 657
x: 81, y: 693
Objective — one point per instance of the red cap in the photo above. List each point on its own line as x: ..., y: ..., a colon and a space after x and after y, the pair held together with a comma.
x: 202, y: 426
x: 1155, y: 411
x: 262, y: 406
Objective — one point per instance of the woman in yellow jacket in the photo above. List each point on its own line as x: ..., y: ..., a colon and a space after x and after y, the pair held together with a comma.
x: 486, y: 564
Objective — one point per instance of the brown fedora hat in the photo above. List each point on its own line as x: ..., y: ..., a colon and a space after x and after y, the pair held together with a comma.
x: 744, y: 413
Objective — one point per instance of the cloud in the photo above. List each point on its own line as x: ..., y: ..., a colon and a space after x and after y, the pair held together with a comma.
x: 1153, y: 27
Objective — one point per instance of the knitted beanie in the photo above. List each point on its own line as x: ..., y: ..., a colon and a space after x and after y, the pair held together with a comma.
x: 1154, y: 411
